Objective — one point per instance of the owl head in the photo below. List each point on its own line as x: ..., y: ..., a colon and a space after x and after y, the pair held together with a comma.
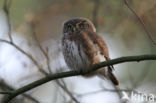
x: 77, y: 25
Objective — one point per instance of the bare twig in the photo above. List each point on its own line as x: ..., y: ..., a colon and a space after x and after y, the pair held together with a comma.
x: 26, y: 54
x: 8, y: 90
x: 140, y: 20
x: 76, y: 73
x: 103, y: 90
x: 119, y: 93
x: 67, y: 91
x: 45, y: 53
x: 142, y: 76
x: 48, y: 59
x: 6, y: 6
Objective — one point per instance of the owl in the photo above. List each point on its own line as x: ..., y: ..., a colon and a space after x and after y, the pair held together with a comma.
x: 82, y: 48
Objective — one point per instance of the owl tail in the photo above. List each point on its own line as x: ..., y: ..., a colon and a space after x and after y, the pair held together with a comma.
x: 111, y: 76
x: 108, y: 74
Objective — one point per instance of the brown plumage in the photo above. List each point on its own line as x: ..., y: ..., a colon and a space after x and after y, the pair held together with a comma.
x: 82, y: 48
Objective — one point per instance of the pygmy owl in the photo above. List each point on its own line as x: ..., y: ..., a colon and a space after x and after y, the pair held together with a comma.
x: 82, y: 48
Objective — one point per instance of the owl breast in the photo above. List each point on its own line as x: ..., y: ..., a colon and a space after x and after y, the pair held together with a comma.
x: 74, y: 56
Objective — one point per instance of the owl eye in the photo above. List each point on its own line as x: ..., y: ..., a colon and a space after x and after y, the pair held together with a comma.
x: 69, y: 27
x: 81, y: 26
x: 86, y: 25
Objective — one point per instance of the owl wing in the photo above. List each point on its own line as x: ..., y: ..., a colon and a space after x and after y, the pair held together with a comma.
x: 102, y: 46
x: 88, y: 40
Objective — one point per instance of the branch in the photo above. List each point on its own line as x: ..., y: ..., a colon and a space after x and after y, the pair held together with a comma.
x: 140, y: 20
x: 45, y: 53
x: 6, y: 6
x: 5, y: 92
x: 104, y: 90
x: 67, y: 91
x: 25, y: 53
x: 76, y: 73
x: 8, y: 89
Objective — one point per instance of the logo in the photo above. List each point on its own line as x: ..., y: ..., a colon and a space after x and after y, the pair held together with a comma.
x: 139, y: 97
